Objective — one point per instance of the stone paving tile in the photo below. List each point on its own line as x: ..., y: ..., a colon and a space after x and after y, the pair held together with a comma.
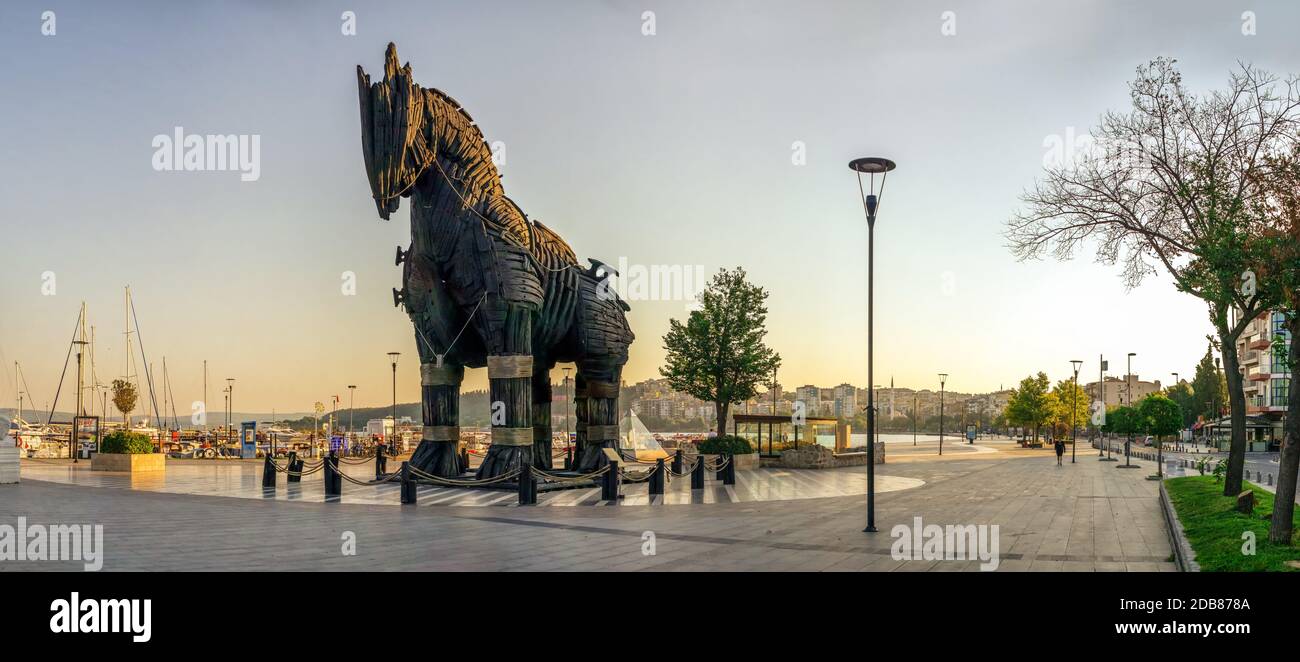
x: 1080, y: 517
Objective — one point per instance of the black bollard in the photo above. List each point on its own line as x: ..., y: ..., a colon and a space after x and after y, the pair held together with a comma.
x: 721, y: 472
x: 380, y: 462
x: 610, y: 483
x: 730, y: 471
x: 657, y: 478
x: 527, y: 488
x: 697, y: 474
x: 333, y: 482
x: 677, y: 462
x: 268, y: 472
x: 408, y: 485
x: 295, y: 467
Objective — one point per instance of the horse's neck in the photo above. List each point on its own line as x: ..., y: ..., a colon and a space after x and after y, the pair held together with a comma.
x: 464, y: 159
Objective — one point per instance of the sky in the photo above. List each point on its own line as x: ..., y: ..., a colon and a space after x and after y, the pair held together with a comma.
x: 667, y: 138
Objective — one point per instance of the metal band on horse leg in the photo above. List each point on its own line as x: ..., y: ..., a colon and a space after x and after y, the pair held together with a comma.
x: 602, y: 390
x: 512, y: 436
x: 602, y: 432
x: 445, y: 375
x: 441, y: 433
x: 510, y: 366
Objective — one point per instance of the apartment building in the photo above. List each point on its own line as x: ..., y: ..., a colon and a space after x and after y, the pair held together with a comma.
x: 1267, y: 383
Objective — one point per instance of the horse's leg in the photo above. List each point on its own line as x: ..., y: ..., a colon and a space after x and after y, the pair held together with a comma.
x: 439, y: 444
x: 581, y: 416
x: 601, y: 381
x: 510, y: 391
x: 542, y: 412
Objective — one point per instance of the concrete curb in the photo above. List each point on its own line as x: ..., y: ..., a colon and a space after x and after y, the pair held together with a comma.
x: 1184, y: 555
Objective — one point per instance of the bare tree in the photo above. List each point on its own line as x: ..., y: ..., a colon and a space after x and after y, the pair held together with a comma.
x: 1173, y: 184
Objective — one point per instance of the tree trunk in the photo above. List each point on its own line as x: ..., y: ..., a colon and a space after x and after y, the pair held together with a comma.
x: 1279, y: 531
x: 721, y: 409
x: 1237, y: 400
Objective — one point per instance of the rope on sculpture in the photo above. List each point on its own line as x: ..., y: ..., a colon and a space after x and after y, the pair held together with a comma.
x: 458, y: 333
x: 483, y: 219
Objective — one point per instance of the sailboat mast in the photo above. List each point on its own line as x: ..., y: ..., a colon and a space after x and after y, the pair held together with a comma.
x: 127, y: 358
x: 81, y: 370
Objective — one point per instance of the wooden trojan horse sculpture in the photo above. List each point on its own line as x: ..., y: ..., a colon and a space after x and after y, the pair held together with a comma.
x: 485, y: 286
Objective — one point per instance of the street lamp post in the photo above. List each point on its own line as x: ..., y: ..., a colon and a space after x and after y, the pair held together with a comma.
x: 230, y: 409
x: 1180, y: 433
x: 392, y: 356
x: 1128, y: 388
x: 352, y: 398
x: 1074, y: 412
x: 871, y: 166
x: 914, y: 415
x: 943, y: 377
x: 568, y: 440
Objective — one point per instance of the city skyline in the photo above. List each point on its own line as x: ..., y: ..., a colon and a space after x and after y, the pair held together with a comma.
x: 247, y: 274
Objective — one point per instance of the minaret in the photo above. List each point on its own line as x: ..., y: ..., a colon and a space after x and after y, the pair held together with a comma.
x: 891, y: 398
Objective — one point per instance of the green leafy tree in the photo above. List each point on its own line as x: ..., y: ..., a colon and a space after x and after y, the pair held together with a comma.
x: 124, y: 398
x: 1031, y: 403
x: 1158, y: 416
x: 718, y: 354
x: 1176, y: 186
x: 1120, y: 420
x: 1183, y: 394
x: 1209, y: 388
x: 1070, y: 405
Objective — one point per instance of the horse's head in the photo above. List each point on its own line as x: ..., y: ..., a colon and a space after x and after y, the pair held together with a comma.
x: 395, y: 139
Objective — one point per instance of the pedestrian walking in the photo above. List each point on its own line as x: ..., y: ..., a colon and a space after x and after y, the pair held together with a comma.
x: 1060, y: 451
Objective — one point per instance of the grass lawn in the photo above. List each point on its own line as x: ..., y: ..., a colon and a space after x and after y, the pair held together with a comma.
x: 1214, y: 528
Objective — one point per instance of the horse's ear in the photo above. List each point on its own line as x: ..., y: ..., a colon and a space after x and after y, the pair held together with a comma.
x: 391, y: 63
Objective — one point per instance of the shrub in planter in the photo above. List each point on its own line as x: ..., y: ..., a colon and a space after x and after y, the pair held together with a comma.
x: 725, y: 444
x: 128, y: 443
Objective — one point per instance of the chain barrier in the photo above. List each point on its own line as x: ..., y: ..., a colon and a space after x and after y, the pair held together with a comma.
x: 453, y: 482
x: 391, y: 477
x: 630, y: 477
x: 686, y: 471
x: 357, y: 460
x: 307, y: 471
x: 549, y: 477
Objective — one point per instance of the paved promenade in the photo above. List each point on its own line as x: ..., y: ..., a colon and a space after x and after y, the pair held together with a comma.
x: 1082, y: 517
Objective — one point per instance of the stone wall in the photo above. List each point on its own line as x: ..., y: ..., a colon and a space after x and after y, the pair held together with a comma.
x: 815, y: 456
